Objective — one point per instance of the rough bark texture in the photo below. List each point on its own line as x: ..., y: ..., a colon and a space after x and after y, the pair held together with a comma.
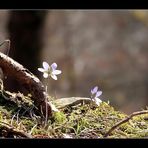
x: 27, y: 80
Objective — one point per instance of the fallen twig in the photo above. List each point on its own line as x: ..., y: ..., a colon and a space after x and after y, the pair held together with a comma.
x: 27, y: 80
x: 14, y: 131
x: 126, y: 120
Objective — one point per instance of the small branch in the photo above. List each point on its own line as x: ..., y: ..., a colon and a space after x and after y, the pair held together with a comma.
x: 15, y: 70
x: 125, y: 120
x: 11, y: 129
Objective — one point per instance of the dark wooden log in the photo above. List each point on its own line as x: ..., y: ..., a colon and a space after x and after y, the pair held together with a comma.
x: 27, y: 80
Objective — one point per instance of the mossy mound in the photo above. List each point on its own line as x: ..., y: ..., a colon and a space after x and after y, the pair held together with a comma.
x: 80, y: 121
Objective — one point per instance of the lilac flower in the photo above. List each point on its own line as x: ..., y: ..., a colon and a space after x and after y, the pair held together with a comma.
x: 95, y: 93
x: 50, y: 70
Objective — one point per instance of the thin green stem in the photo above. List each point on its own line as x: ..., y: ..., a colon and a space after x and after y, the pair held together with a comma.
x: 46, y: 118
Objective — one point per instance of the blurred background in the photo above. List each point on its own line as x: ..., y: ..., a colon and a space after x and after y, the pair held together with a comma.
x: 108, y: 48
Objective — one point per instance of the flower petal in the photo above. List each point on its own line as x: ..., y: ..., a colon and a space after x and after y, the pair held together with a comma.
x: 45, y: 65
x: 53, y: 66
x: 54, y: 76
x: 57, y: 72
x: 41, y: 69
x: 45, y: 75
x: 94, y: 90
x: 98, y: 93
x: 98, y: 101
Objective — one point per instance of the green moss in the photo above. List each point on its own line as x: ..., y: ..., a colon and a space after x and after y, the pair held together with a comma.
x: 28, y: 123
x: 39, y: 132
x: 59, y: 117
x: 81, y: 121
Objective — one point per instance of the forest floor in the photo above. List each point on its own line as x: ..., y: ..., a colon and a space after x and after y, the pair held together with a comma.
x: 19, y: 118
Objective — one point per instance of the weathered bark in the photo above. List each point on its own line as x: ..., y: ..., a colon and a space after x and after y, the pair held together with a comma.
x: 27, y: 80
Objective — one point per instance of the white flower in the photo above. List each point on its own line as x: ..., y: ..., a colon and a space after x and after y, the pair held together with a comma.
x: 50, y: 70
x: 97, y: 101
x: 95, y: 93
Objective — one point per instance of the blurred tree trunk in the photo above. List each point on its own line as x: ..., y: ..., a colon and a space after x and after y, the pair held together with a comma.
x: 25, y: 28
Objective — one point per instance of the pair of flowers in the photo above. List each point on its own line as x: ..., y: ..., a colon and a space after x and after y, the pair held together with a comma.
x: 52, y: 71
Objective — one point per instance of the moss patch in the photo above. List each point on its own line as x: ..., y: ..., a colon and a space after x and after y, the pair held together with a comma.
x: 80, y: 121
